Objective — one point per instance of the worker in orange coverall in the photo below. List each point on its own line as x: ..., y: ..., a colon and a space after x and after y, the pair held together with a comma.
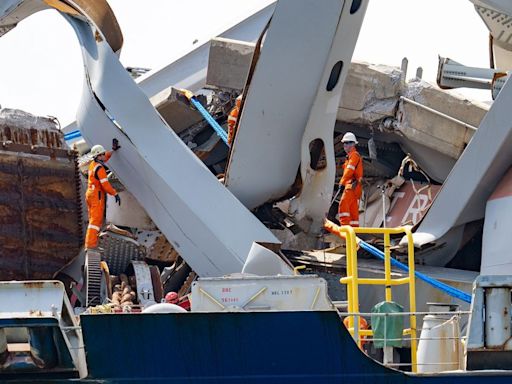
x: 232, y: 118
x: 350, y: 183
x: 97, y: 188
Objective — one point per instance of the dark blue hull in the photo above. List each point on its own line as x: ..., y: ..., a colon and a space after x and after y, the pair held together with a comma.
x: 270, y: 347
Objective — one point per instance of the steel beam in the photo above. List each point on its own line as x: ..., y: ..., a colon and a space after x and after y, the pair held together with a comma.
x: 204, y: 222
x: 289, y: 102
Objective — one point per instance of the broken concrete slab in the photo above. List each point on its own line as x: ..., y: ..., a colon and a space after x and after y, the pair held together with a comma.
x: 423, y: 126
x: 370, y: 93
x: 178, y: 114
x: 374, y: 92
x: 228, y: 63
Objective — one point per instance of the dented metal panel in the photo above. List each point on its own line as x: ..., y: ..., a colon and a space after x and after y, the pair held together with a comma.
x: 317, y: 180
x: 162, y: 250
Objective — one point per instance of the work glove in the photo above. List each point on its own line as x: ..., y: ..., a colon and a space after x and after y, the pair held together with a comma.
x: 115, y: 144
x: 341, y: 188
x: 118, y: 199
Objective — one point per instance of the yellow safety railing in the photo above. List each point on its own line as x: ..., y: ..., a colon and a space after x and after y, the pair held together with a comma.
x: 352, y: 280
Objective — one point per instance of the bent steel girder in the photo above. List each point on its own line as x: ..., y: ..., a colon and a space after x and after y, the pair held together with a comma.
x: 197, y: 214
x: 188, y: 69
x: 289, y: 103
x: 96, y: 12
x: 315, y: 197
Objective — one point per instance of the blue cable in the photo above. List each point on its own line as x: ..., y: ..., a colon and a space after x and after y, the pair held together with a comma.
x: 454, y: 292
x: 72, y: 135
x: 218, y: 129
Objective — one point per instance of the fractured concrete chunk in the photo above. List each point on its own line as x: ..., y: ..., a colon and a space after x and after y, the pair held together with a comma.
x: 423, y: 126
x: 370, y: 93
x: 228, y: 63
x: 373, y: 92
x: 176, y: 113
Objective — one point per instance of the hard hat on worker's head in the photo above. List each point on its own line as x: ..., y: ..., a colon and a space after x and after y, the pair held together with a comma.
x: 349, y: 137
x: 171, y: 298
x: 97, y: 150
x: 238, y: 101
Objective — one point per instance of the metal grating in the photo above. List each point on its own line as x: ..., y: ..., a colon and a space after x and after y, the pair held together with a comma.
x: 118, y: 251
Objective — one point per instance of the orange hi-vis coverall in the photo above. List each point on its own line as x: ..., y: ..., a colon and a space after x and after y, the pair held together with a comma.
x: 232, y: 118
x: 97, y: 187
x: 348, y: 210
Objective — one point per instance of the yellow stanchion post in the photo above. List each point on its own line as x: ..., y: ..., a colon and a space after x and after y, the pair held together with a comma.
x: 412, y: 298
x: 387, y: 266
x: 352, y: 280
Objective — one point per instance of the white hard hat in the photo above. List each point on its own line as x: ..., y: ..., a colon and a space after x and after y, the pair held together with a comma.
x: 349, y: 137
x: 97, y: 150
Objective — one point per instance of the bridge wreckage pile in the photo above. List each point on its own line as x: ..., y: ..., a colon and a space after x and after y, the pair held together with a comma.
x: 43, y: 216
x: 241, y: 216
x: 401, y: 125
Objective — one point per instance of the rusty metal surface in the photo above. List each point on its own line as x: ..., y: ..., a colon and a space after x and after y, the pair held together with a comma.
x: 40, y: 212
x: 158, y: 287
x: 97, y: 12
x: 103, y: 17
x: 52, y: 153
x: 20, y: 127
x: 162, y: 250
x: 185, y: 288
